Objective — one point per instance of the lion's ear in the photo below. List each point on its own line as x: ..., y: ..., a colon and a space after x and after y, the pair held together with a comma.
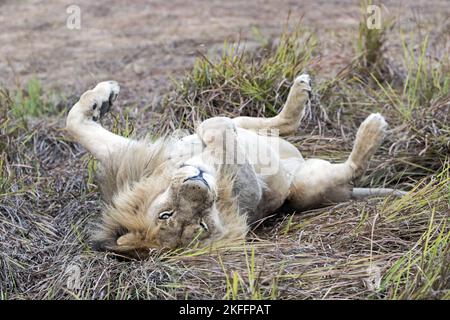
x: 130, y: 239
x: 134, y: 240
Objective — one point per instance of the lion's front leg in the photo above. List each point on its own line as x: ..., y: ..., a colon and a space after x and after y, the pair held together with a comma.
x: 219, y: 138
x: 82, y: 121
x: 223, y: 150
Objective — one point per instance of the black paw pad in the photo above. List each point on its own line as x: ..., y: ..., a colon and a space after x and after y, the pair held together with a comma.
x: 112, y: 98
x: 104, y: 108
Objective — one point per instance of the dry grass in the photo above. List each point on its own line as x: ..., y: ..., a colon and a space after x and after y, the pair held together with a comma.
x: 380, y: 248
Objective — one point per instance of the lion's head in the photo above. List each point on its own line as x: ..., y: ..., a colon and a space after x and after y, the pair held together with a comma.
x: 151, y: 202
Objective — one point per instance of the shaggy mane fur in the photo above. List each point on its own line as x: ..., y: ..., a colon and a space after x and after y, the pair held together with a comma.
x: 124, y: 183
x: 131, y: 180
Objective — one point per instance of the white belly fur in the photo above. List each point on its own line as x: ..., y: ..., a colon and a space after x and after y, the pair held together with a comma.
x: 272, y: 158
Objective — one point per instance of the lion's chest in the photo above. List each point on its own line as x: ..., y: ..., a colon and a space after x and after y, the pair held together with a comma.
x: 262, y: 182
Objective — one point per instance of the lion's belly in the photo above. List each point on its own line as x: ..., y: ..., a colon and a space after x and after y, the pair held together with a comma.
x: 261, y: 151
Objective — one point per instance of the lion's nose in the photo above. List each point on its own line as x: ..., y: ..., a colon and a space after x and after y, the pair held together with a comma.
x: 199, y: 177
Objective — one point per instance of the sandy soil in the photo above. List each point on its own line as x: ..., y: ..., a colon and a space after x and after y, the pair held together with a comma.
x: 142, y: 44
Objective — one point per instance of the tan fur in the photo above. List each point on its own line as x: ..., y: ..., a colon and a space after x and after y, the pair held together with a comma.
x: 125, y: 180
x: 207, y: 188
x: 130, y: 181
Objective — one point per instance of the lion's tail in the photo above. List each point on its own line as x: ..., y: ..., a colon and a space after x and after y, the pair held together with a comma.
x: 361, y: 193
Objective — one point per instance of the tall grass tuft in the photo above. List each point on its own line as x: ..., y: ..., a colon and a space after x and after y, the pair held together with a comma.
x: 424, y: 271
x: 32, y: 102
x: 371, y: 46
x: 241, y: 82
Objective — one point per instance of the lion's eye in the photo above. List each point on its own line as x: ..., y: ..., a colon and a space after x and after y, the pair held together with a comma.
x: 204, y: 225
x: 165, y: 215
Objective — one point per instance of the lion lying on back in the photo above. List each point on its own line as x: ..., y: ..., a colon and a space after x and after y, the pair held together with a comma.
x: 209, y: 187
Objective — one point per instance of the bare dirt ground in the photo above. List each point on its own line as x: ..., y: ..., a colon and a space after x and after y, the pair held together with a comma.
x: 141, y: 44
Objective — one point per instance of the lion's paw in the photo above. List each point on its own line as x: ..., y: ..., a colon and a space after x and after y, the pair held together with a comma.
x: 105, y: 93
x: 373, y: 128
x: 368, y: 138
x: 215, y: 130
x: 95, y: 103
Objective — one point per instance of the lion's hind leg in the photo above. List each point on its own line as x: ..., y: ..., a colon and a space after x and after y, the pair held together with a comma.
x: 319, y: 182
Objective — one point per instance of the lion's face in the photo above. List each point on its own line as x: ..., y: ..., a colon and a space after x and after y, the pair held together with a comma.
x: 179, y: 209
x: 185, y: 211
x: 155, y: 201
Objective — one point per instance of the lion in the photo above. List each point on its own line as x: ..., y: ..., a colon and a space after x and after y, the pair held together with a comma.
x: 212, y: 186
